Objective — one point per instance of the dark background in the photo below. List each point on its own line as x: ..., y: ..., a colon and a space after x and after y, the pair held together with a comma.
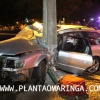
x: 72, y: 10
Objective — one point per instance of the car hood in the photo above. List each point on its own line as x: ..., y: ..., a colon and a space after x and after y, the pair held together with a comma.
x: 17, y: 45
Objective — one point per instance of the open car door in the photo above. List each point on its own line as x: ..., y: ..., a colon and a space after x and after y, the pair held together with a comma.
x: 77, y: 59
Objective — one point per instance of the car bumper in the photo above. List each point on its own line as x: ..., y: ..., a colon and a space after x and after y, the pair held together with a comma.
x: 15, y: 74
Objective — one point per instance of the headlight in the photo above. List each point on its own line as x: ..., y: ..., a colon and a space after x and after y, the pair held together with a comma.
x: 19, y: 64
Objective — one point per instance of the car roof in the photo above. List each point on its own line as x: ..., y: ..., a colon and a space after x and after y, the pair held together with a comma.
x: 74, y: 28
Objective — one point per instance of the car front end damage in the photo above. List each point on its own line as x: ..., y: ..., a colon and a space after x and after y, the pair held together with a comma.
x: 17, y: 61
x: 24, y: 55
x: 20, y: 67
x: 12, y: 68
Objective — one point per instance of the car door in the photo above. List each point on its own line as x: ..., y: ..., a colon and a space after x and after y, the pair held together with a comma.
x: 76, y: 60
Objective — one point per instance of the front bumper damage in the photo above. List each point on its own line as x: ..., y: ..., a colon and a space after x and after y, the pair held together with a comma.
x: 8, y: 69
x: 15, y: 74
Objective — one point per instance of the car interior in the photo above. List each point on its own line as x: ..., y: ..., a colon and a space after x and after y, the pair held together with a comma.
x: 78, y: 44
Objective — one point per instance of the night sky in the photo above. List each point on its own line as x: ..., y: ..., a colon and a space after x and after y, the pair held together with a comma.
x: 73, y: 10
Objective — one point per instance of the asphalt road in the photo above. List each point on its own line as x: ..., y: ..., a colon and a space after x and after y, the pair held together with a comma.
x: 92, y: 79
x: 4, y: 36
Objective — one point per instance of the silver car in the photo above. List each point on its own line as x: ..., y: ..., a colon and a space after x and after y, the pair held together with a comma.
x: 81, y: 55
x: 25, y: 58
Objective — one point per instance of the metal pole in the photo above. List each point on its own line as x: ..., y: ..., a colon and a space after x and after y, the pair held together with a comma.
x: 50, y: 24
x: 88, y: 22
x: 45, y: 16
x: 50, y: 31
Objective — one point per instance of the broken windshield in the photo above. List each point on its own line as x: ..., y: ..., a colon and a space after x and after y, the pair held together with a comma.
x: 31, y: 31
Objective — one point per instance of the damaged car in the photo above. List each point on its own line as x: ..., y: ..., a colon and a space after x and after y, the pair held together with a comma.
x: 26, y: 58
x: 22, y: 58
x: 79, y: 54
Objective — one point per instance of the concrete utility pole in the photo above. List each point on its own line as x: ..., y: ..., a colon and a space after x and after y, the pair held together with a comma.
x: 50, y: 23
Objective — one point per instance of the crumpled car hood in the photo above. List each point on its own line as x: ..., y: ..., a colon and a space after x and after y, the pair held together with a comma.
x: 15, y: 46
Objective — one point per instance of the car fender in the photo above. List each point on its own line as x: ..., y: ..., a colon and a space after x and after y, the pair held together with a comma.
x: 33, y: 59
x: 95, y: 50
x: 96, y: 53
x: 42, y: 57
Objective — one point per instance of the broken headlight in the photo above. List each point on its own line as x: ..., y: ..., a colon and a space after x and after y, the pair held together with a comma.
x: 19, y: 64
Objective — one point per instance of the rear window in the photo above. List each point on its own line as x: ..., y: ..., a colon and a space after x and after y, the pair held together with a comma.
x: 93, y: 37
x: 91, y: 34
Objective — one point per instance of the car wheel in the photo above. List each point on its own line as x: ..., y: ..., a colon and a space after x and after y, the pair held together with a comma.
x: 39, y: 74
x: 95, y: 66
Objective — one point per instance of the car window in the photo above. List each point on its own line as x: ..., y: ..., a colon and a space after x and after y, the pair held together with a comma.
x: 76, y: 34
x: 94, y: 37
x: 61, y: 39
x: 74, y: 44
x: 91, y: 34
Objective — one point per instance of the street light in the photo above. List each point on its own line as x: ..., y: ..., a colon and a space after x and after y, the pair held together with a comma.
x: 17, y: 23
x: 98, y: 20
x: 89, y: 21
x: 26, y: 20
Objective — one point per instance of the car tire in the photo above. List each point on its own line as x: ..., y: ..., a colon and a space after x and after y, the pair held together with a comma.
x: 95, y: 66
x: 39, y: 74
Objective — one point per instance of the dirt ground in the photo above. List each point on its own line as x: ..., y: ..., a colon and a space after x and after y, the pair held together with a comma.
x: 91, y: 79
